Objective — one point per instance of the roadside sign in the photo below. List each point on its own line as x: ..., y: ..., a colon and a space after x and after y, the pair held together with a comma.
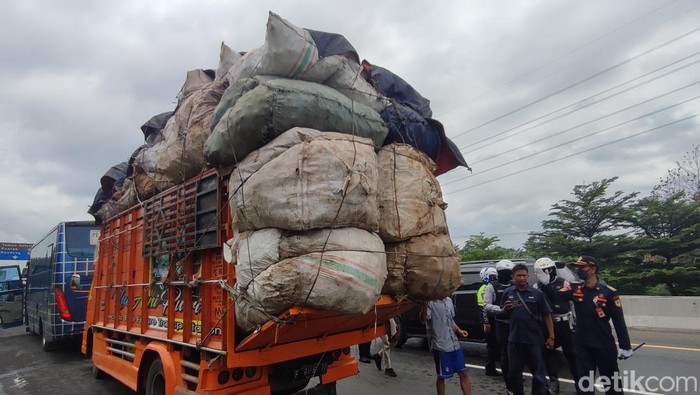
x: 14, y: 251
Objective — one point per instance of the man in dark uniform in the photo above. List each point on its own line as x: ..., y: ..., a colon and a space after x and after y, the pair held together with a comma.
x: 492, y: 307
x: 546, y: 272
x: 529, y: 313
x: 595, y: 305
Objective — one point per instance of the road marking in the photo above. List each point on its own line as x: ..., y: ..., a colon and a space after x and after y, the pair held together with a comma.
x: 647, y: 345
x: 600, y: 387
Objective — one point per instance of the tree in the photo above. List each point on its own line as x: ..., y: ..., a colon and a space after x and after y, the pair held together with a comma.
x: 481, y: 247
x: 583, y: 225
x: 685, y: 177
x: 670, y: 225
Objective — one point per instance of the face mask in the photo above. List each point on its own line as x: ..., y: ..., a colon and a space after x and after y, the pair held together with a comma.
x: 582, y: 274
x: 504, y: 276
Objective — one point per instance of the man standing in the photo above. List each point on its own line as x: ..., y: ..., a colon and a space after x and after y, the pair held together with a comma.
x: 365, y: 353
x: 595, y: 305
x: 546, y: 272
x: 388, y: 341
x: 488, y: 274
x: 492, y: 307
x: 527, y: 308
x: 443, y: 332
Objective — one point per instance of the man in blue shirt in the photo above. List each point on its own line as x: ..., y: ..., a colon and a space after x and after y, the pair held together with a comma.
x: 443, y: 332
x: 527, y: 309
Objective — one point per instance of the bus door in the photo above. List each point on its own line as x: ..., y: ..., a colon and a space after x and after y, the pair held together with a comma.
x: 11, y: 297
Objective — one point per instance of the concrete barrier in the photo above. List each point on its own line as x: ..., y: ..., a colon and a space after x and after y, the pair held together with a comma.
x: 666, y: 313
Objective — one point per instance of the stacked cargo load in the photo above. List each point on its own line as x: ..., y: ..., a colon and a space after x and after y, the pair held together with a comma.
x: 333, y: 193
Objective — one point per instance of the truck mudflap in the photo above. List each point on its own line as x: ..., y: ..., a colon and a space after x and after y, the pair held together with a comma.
x: 307, y: 324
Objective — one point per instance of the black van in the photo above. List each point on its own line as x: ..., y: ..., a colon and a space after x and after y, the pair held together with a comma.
x: 467, y: 310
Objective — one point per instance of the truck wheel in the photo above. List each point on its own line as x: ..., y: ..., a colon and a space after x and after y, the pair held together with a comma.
x: 155, y: 381
x: 97, y: 373
x: 400, y: 333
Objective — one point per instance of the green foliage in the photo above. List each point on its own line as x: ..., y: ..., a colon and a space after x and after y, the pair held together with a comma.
x: 656, y: 226
x: 590, y: 214
x: 658, y: 290
x: 481, y: 247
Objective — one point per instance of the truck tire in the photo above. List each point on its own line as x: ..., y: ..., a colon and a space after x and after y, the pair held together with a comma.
x: 400, y: 333
x: 155, y: 381
x: 97, y: 374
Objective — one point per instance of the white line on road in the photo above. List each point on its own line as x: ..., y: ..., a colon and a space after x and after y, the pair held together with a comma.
x: 600, y: 387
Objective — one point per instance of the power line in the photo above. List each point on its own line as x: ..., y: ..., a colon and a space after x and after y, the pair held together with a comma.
x: 574, y: 154
x: 598, y: 119
x: 677, y: 38
x: 579, y: 138
x: 565, y: 55
x: 582, y: 137
x: 581, y: 101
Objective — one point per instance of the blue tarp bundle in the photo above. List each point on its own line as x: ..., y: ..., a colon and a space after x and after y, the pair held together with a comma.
x: 408, y: 127
x: 409, y: 119
x: 330, y: 44
x: 394, y: 87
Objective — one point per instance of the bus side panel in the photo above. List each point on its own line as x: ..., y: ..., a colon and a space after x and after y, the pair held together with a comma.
x: 39, y: 281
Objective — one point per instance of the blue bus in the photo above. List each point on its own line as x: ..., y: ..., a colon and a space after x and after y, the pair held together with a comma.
x: 59, y: 273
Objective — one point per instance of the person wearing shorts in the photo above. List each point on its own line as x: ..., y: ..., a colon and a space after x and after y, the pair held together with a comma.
x: 443, y: 336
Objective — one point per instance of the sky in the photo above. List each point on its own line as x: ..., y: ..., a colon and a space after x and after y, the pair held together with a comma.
x: 539, y: 95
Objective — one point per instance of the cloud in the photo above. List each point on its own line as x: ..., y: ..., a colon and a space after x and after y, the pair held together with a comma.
x: 81, y: 77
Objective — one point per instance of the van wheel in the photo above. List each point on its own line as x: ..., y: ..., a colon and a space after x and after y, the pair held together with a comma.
x: 155, y: 381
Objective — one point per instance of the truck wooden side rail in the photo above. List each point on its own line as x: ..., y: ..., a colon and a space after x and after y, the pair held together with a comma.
x: 161, y: 315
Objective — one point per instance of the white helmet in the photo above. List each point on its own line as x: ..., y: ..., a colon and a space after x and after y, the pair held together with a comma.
x: 504, y: 264
x: 546, y: 270
x: 504, y: 268
x: 486, y: 274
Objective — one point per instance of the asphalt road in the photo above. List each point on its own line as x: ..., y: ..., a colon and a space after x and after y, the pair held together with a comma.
x: 26, y: 370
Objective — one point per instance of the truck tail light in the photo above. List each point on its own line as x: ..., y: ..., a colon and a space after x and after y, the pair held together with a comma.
x: 62, y: 304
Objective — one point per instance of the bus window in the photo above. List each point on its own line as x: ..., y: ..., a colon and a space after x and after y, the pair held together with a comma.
x: 80, y: 241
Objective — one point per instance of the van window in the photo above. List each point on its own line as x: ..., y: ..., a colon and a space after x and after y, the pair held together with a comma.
x: 471, y: 278
x: 9, y: 274
x: 78, y: 242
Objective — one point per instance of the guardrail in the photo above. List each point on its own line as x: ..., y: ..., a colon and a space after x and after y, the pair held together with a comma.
x: 674, y: 313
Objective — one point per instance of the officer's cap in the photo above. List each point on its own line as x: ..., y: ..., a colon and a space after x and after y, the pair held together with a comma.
x: 586, y: 260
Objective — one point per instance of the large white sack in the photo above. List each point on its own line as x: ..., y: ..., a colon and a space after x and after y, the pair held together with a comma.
x: 260, y: 249
x: 247, y: 66
x: 342, y: 281
x: 305, y: 179
x: 410, y: 199
x: 256, y: 252
x: 227, y: 58
x: 422, y: 268
x: 290, y: 52
x: 180, y: 155
x: 349, y: 81
x: 195, y: 80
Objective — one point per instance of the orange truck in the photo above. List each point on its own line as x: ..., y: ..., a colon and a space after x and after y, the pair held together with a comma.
x: 160, y: 315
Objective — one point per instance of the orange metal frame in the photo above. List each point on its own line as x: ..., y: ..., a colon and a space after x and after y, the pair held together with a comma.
x: 168, y: 317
